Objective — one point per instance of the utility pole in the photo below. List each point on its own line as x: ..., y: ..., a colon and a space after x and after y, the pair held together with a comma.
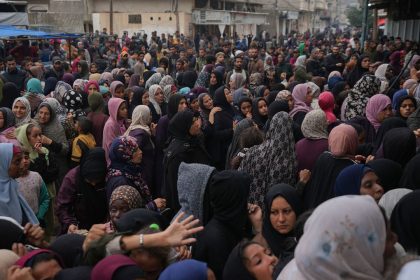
x: 111, y: 17
x: 365, y: 25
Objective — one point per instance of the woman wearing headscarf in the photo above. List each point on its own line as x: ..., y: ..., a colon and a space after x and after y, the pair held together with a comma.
x: 216, y: 81
x: 283, y: 207
x: 187, y: 269
x: 234, y: 147
x: 91, y: 87
x: 34, y: 94
x: 358, y: 179
x: 342, y: 146
x: 222, y: 127
x: 139, y: 97
x: 158, y: 106
x: 122, y: 200
x: 390, y: 199
x: 327, y: 103
x: 385, y: 73
x: 116, y: 124
x: 308, y: 149
x: 116, y: 267
x: 405, y: 221
x: 236, y: 81
x: 395, y: 61
x: 204, y: 77
x: 359, y: 96
x: 97, y: 116
x: 134, y: 81
x: 378, y: 109
x: 331, y: 241
x: 41, y: 263
x: 68, y: 78
x: 260, y: 112
x: 302, y: 96
x: 60, y: 90
x: 153, y: 80
x: 399, y: 145
x: 125, y: 169
x: 406, y: 105
x: 300, y: 61
x: 10, y: 94
x: 387, y: 125
x: 22, y: 111
x: 228, y: 195
x: 273, y: 161
x: 8, y: 128
x: 81, y: 200
x: 411, y: 177
x: 53, y: 136
x: 185, y: 146
x: 50, y: 84
x: 141, y: 131
x: 361, y: 68
x: 73, y: 102
x: 82, y: 70
x: 12, y: 204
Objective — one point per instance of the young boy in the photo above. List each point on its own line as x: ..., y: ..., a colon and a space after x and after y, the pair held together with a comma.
x: 32, y: 188
x: 84, y: 141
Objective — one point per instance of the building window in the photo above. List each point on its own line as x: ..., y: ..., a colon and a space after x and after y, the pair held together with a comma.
x: 134, y: 18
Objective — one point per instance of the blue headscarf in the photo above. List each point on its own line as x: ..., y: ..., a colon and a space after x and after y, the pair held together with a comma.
x: 34, y: 86
x: 396, y: 98
x: 12, y: 204
x: 350, y: 179
x: 188, y: 269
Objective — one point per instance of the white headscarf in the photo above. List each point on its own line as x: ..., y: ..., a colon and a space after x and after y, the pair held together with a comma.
x: 141, y: 118
x: 391, y: 198
x: 300, y: 61
x: 344, y: 238
x: 152, y: 91
x: 27, y: 118
x: 409, y: 270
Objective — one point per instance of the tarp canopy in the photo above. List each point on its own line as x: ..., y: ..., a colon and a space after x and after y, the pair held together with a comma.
x: 9, y: 32
x: 14, y: 18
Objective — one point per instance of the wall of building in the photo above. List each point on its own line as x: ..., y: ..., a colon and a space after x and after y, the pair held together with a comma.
x: 124, y: 6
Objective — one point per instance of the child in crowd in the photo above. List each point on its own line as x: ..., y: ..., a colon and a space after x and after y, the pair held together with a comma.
x: 84, y: 140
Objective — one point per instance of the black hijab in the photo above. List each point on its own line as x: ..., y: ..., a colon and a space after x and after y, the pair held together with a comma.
x: 400, y: 145
x: 136, y: 99
x: 79, y: 273
x: 69, y: 248
x: 242, y: 100
x: 10, y: 93
x: 188, y: 79
x: 357, y: 72
x: 279, y: 242
x: 50, y: 84
x: 173, y: 104
x: 405, y: 221
x: 229, y: 190
x: 411, y: 175
x: 179, y: 125
x: 388, y: 171
x: 93, y: 167
x: 219, y: 79
x: 401, y: 100
x: 221, y: 101
x: 386, y: 125
x: 234, y: 267
x: 136, y: 219
x: 259, y: 119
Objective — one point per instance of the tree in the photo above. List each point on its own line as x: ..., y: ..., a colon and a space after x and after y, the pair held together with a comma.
x: 355, y: 17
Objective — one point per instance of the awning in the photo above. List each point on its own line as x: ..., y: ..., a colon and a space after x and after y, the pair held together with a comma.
x: 11, y: 32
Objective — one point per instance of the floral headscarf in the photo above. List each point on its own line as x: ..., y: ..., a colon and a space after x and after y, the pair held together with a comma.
x: 314, y: 125
x: 128, y: 194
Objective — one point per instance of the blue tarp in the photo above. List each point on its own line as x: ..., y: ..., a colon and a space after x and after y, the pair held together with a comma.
x: 6, y: 32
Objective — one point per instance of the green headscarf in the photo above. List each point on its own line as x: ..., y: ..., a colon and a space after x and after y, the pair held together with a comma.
x: 24, y: 141
x: 34, y: 86
x: 301, y: 48
x: 96, y: 102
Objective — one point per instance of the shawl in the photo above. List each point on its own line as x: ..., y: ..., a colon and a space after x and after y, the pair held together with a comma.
x: 27, y: 118
x: 314, y: 125
x: 140, y: 119
x: 273, y: 161
x: 359, y: 96
x: 405, y: 221
x: 12, y: 204
x: 375, y: 105
x: 60, y: 90
x: 113, y: 127
x: 153, y: 80
x: 341, y: 244
x: 53, y: 129
x: 327, y: 103
x: 391, y: 198
x: 299, y: 95
x: 152, y: 91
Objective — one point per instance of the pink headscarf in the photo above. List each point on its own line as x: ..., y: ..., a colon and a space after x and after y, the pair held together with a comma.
x: 114, y: 86
x: 113, y: 127
x: 343, y: 141
x: 375, y: 105
x: 326, y: 103
x: 299, y: 95
x: 91, y: 82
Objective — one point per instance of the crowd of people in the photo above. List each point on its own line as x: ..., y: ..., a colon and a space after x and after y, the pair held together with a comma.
x: 206, y: 158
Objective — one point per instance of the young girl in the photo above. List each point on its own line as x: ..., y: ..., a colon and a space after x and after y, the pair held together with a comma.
x: 33, y: 188
x: 7, y: 121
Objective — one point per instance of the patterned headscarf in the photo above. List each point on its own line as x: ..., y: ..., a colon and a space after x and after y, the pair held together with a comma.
x: 359, y: 96
x: 129, y: 195
x: 72, y: 101
x: 273, y: 161
x: 155, y: 79
x: 60, y: 90
x: 314, y: 125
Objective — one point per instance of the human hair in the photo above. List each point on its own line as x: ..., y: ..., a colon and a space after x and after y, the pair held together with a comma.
x: 251, y: 136
x: 242, y: 247
x: 210, y: 59
x: 85, y: 125
x: 30, y: 127
x: 10, y: 58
